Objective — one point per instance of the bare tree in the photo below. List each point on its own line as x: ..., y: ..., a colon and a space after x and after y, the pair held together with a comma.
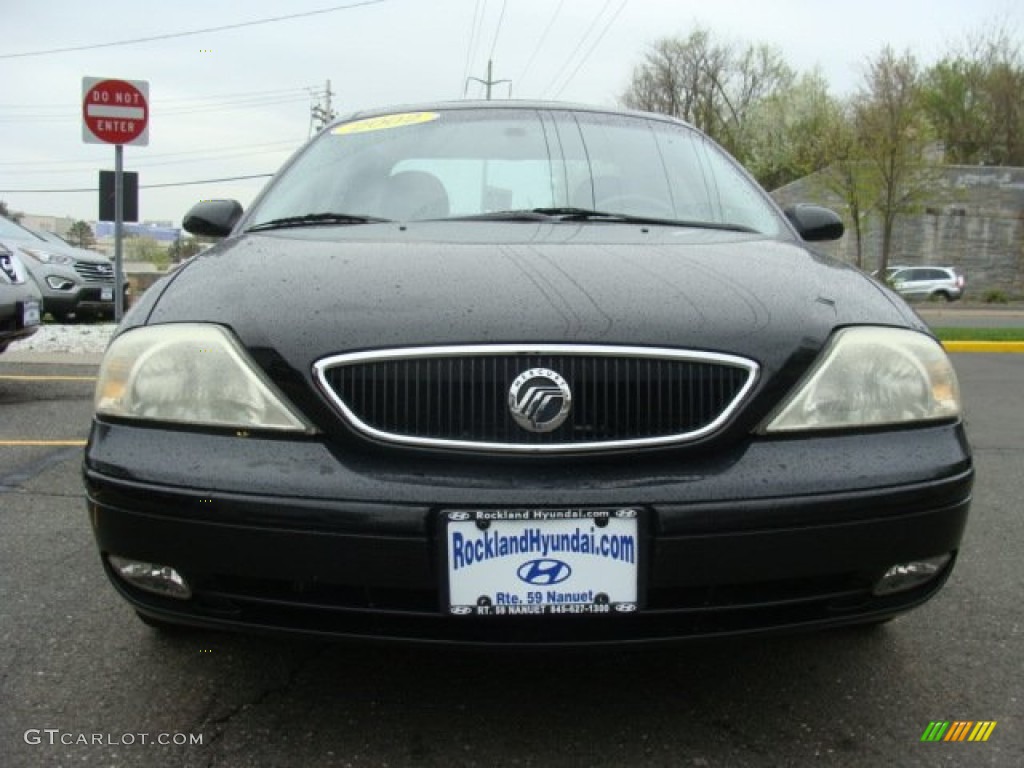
x: 708, y: 83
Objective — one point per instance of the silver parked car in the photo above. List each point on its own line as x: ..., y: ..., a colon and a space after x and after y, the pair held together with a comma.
x: 20, y: 302
x: 73, y: 281
x: 925, y: 282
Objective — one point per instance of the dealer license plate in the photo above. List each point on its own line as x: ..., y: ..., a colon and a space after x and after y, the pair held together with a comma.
x: 515, y: 562
x: 29, y: 314
x: 106, y: 294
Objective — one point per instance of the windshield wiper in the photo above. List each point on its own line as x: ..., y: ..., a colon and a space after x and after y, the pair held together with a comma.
x: 586, y: 214
x: 314, y: 219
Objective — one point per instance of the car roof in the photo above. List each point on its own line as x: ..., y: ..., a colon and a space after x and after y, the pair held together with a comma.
x: 503, y: 104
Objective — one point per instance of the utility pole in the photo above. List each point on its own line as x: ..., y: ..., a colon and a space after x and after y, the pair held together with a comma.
x: 488, y: 82
x: 321, y: 114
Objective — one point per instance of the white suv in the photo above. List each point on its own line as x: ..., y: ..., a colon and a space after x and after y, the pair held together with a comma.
x: 926, y: 282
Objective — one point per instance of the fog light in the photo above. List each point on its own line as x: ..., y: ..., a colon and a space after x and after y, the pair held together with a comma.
x: 161, y: 579
x: 59, y: 283
x: 906, y: 576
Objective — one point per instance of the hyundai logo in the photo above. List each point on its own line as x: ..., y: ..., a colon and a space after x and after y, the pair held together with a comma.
x: 461, y: 610
x: 539, y: 400
x: 7, y: 266
x: 625, y: 607
x: 459, y: 515
x: 543, y: 573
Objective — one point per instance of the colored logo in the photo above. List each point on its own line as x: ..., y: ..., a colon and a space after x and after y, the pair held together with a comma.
x: 386, y: 122
x: 539, y: 400
x: 958, y: 730
x: 543, y: 573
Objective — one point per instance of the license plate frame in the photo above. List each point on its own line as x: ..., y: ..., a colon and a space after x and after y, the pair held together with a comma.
x: 31, y: 314
x: 541, y: 562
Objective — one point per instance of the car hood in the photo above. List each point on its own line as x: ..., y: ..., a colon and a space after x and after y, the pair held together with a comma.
x: 308, y: 293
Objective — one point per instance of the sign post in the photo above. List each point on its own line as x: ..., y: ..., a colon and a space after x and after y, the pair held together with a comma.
x: 116, y: 112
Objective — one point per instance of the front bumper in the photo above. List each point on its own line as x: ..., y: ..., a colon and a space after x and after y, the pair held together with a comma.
x: 87, y: 298
x: 291, y: 536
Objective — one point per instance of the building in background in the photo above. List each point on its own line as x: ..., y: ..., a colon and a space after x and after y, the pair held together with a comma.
x: 56, y: 224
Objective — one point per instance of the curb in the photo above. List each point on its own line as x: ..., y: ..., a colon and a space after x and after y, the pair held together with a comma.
x: 983, y: 346
x: 91, y: 359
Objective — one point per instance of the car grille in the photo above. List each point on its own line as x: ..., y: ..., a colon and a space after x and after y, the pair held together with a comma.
x: 458, y: 397
x: 94, y: 273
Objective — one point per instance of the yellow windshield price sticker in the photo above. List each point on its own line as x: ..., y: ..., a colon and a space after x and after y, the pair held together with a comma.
x: 386, y: 122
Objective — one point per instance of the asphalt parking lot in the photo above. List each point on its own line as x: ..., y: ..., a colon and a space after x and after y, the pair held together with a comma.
x: 83, y: 682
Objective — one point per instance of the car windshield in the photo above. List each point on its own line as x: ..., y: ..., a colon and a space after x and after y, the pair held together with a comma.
x: 472, y: 162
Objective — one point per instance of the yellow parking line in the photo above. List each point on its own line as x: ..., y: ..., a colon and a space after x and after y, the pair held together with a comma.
x: 14, y: 377
x: 983, y: 346
x: 42, y: 443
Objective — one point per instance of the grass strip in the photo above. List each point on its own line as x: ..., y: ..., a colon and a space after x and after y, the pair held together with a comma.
x: 979, y: 334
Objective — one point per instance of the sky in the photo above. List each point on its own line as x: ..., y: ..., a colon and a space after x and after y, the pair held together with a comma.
x: 236, y: 101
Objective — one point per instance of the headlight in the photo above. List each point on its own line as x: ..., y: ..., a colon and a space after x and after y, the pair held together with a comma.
x: 189, y: 373
x: 49, y: 257
x: 869, y: 377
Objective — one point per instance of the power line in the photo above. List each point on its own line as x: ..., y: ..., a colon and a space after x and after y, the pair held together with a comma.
x: 210, y: 153
x: 497, y: 29
x: 187, y: 100
x: 590, y: 50
x: 73, y: 112
x: 86, y: 166
x: 473, y: 41
x: 540, y: 42
x: 188, y: 33
x: 141, y: 186
x: 579, y: 45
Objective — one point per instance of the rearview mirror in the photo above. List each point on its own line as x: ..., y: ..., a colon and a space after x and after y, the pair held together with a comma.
x: 814, y: 223
x: 212, y: 218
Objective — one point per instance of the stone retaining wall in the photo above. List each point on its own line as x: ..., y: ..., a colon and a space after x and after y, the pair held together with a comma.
x: 973, y: 221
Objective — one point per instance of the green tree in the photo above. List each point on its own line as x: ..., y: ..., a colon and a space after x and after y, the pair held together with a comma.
x: 140, y: 248
x: 850, y: 175
x: 183, y: 248
x: 974, y: 97
x: 8, y: 213
x: 788, y: 133
x: 893, y: 133
x: 81, y: 234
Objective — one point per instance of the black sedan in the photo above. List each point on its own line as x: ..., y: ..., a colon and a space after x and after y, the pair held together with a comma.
x: 518, y: 373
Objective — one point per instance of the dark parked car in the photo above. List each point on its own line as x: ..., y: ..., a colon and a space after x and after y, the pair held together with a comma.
x: 19, y: 299
x: 518, y: 373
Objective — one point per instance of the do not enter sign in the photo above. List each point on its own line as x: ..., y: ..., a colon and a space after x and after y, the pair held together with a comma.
x: 115, y: 111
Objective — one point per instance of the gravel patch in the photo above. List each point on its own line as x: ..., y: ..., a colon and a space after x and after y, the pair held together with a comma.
x: 77, y: 339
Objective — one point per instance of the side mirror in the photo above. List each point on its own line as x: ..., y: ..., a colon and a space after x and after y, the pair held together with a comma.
x: 212, y: 218
x: 815, y: 223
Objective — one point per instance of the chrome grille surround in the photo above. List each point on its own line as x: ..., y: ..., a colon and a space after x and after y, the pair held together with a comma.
x: 731, y: 376
x: 94, y: 272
